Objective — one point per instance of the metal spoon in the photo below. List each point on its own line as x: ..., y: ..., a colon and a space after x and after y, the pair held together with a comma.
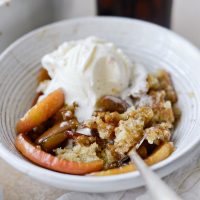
x: 158, y: 189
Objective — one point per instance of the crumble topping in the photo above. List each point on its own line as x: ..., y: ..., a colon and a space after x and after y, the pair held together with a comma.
x: 79, y: 153
x: 147, y: 120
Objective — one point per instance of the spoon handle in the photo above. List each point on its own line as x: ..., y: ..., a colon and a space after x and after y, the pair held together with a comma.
x: 157, y: 188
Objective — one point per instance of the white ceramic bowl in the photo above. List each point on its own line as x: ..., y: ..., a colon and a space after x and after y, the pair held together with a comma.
x: 151, y: 45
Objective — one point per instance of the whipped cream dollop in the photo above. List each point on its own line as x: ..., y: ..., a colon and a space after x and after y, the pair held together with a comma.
x: 89, y: 69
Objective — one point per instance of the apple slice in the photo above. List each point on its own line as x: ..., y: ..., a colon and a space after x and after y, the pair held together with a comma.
x: 161, y: 153
x: 58, y: 128
x: 41, y: 111
x: 39, y: 157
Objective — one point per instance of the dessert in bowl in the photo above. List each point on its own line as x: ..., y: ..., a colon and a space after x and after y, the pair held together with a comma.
x: 92, y: 107
x: 102, y: 114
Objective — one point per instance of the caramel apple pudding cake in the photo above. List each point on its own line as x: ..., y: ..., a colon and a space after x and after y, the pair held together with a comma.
x: 93, y: 106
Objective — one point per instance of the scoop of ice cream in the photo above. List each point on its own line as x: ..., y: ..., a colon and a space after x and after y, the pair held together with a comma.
x: 87, y: 70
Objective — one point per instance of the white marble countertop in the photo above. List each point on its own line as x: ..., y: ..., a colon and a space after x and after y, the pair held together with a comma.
x: 17, y: 186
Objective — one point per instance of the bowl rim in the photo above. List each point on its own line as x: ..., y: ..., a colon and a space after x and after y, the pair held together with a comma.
x: 26, y: 166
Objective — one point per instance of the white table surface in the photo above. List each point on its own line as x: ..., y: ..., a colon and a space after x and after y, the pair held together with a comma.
x: 17, y: 186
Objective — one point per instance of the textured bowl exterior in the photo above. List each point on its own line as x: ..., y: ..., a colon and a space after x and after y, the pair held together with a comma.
x: 148, y: 44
